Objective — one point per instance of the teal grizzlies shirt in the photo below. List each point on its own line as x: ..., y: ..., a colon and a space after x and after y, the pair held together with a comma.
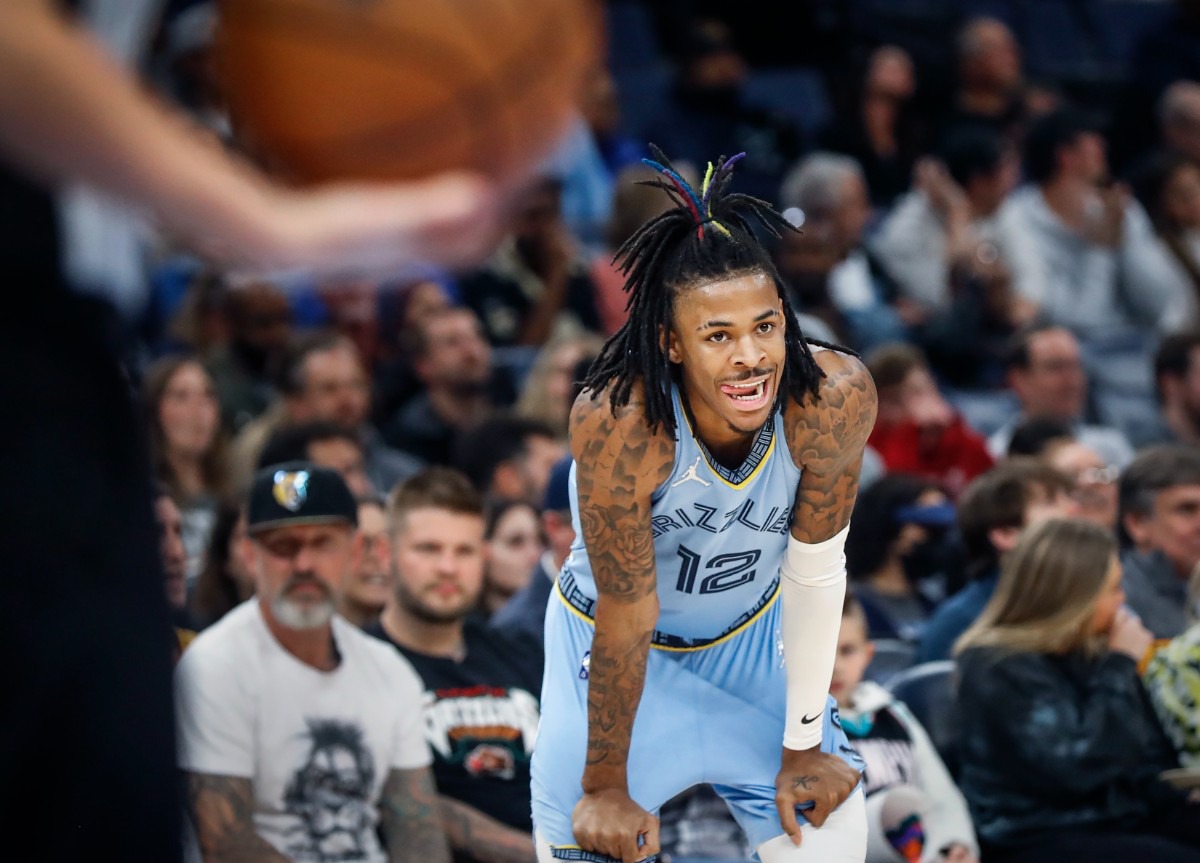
x: 719, y: 537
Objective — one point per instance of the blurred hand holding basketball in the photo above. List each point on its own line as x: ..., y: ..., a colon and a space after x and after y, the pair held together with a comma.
x: 72, y: 115
x: 349, y: 229
x: 330, y: 90
x: 459, y: 99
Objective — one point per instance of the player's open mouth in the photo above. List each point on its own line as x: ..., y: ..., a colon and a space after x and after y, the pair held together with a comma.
x: 749, y: 395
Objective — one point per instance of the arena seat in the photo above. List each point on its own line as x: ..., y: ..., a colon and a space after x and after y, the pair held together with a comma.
x: 892, y: 656
x: 928, y: 691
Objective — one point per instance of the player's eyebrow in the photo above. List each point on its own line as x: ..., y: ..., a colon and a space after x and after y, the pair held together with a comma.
x: 708, y: 325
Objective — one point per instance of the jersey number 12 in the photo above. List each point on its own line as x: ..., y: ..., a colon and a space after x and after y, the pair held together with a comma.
x: 732, y: 570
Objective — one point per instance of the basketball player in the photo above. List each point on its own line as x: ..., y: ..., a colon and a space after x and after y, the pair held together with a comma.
x: 693, y: 629
x: 83, y: 620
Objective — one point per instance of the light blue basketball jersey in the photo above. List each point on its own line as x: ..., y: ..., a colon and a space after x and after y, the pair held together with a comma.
x: 719, y: 537
x: 714, y: 703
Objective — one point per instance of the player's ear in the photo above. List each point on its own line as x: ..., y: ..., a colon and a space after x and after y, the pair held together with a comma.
x: 669, y: 342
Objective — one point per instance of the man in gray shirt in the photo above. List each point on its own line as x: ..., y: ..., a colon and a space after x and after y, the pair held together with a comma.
x: 1093, y: 267
x: 1160, y: 519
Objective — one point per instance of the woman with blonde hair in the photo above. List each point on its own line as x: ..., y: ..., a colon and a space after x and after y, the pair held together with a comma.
x: 1061, y: 753
x: 549, y: 390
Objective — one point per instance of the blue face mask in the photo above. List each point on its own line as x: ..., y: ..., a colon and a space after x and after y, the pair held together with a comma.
x: 858, y: 725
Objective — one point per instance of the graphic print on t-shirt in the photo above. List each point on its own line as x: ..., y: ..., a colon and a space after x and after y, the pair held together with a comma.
x: 486, y: 729
x: 330, y: 792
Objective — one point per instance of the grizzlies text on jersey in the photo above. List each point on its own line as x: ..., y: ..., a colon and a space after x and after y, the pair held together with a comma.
x: 719, y: 537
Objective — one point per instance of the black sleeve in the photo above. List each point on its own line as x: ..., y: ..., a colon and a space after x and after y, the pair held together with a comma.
x: 1071, y: 736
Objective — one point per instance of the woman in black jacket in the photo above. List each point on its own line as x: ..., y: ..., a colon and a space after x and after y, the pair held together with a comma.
x: 1061, y: 752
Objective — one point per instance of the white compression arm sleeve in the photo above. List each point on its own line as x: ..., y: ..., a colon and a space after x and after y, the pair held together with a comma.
x: 813, y: 585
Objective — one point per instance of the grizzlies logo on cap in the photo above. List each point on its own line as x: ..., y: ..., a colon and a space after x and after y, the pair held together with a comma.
x: 298, y: 492
x: 291, y: 488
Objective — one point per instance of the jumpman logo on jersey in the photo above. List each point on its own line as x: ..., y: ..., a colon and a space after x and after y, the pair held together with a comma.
x: 690, y: 474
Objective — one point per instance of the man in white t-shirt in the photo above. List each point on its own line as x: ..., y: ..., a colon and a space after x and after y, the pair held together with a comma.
x: 302, y: 737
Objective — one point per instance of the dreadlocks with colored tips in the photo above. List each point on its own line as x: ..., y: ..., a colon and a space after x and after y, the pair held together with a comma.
x: 704, y: 238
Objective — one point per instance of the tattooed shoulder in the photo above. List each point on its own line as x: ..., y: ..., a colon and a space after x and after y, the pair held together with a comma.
x: 827, y: 440
x: 619, y: 437
x: 835, y: 428
x: 620, y: 461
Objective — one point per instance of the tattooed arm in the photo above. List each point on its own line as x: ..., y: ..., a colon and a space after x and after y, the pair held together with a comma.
x: 483, y: 837
x: 619, y: 464
x: 827, y: 441
x: 222, y: 809
x: 409, y: 810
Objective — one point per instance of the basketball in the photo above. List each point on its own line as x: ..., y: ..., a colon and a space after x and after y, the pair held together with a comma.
x: 393, y: 89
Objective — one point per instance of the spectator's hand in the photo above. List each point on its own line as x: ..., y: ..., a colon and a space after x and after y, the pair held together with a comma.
x: 359, y: 229
x: 946, y: 196
x: 816, y: 780
x: 609, y: 822
x: 1108, y: 229
x: 1127, y: 635
x: 1022, y: 311
x: 551, y: 250
x: 910, y: 312
x: 1002, y: 302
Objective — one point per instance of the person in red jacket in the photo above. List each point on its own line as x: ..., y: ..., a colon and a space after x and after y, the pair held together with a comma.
x: 917, y: 430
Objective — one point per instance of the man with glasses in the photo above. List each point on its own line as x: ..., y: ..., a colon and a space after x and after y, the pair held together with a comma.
x: 1046, y: 374
x: 1054, y: 442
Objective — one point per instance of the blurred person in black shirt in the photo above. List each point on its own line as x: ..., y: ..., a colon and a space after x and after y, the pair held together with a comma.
x: 94, y: 710
x: 461, y: 385
x: 482, y: 686
x: 990, y: 86
x: 880, y: 127
x: 709, y: 112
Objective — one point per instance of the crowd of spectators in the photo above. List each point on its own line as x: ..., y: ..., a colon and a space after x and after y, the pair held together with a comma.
x: 1013, y: 246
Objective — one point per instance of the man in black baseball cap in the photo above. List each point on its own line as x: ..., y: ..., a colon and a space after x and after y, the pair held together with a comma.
x: 300, y: 735
x: 297, y: 516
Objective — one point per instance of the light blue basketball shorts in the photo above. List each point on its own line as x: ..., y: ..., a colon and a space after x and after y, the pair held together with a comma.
x: 712, y: 714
